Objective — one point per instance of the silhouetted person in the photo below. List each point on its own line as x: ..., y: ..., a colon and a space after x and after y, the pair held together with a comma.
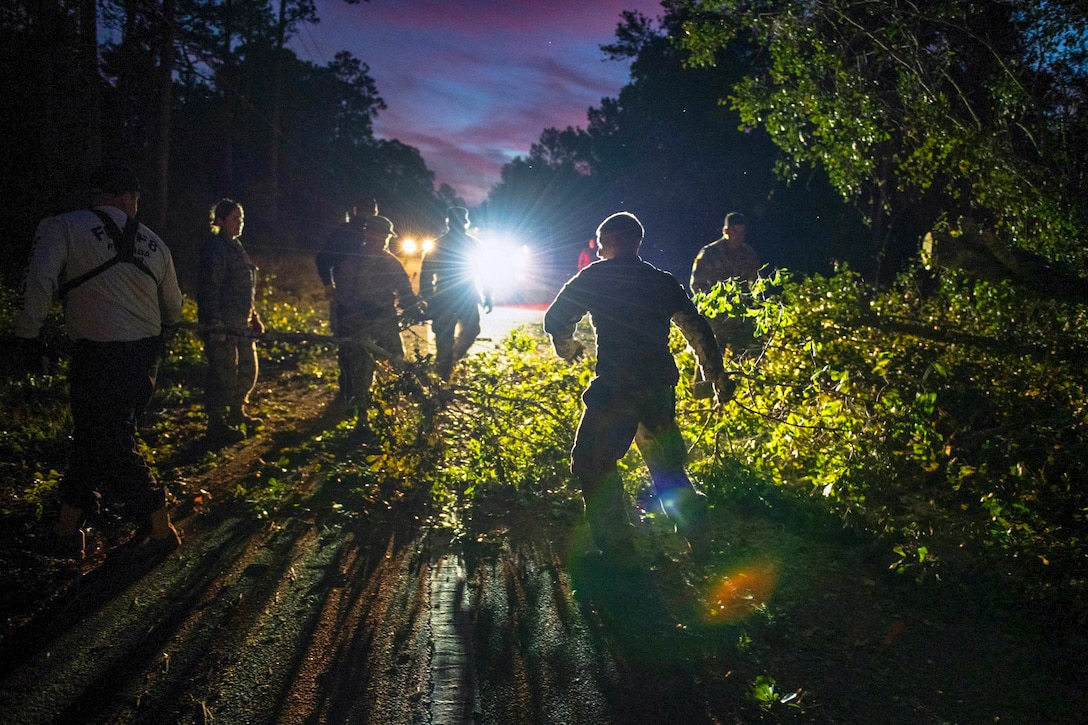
x: 588, y: 255
x: 121, y: 299
x: 448, y: 285
x: 632, y: 397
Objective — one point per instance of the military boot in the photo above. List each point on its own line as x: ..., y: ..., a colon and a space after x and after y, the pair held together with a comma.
x: 221, y: 434
x: 158, y: 533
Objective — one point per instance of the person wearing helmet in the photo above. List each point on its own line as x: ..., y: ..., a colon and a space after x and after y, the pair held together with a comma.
x: 344, y: 242
x: 371, y: 285
x: 632, y: 396
x: 447, y: 285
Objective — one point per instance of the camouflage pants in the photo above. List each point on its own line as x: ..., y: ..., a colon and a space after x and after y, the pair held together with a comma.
x: 613, y: 418
x: 358, y: 361
x: 232, y: 374
x: 455, y: 328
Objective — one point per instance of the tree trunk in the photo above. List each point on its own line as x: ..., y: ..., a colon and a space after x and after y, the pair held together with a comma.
x: 88, y: 38
x: 166, y: 105
x: 276, y: 116
x: 225, y: 84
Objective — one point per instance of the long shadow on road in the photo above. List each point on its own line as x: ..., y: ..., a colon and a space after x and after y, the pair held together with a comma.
x: 325, y: 614
x: 332, y: 611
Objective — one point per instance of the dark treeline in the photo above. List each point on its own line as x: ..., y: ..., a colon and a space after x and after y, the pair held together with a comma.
x: 845, y: 130
x: 204, y: 99
x: 668, y: 150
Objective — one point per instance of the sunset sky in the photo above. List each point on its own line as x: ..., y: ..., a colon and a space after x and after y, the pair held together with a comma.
x: 473, y: 83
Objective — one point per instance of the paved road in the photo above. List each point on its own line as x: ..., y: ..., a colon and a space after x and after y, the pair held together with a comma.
x: 494, y: 327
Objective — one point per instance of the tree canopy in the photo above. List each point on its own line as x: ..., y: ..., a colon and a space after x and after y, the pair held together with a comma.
x: 919, y: 111
x: 669, y: 151
x: 846, y: 130
x: 204, y: 99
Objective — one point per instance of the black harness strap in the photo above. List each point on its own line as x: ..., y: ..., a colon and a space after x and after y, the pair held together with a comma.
x: 124, y: 243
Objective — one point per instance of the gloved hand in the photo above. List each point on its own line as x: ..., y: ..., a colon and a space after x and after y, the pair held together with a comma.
x: 569, y: 349
x: 255, y: 325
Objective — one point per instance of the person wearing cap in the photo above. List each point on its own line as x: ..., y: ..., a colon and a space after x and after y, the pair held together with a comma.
x: 448, y: 286
x: 632, y: 395
x: 729, y: 257
x: 370, y: 286
x: 117, y: 283
x: 229, y: 325
x: 342, y: 243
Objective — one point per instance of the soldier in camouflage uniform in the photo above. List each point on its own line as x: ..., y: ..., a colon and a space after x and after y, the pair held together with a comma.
x: 229, y: 325
x: 345, y: 241
x: 727, y: 258
x: 632, y: 396
x: 370, y: 286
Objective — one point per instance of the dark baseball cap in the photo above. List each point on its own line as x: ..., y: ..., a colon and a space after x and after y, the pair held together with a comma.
x: 380, y: 225
x: 113, y: 178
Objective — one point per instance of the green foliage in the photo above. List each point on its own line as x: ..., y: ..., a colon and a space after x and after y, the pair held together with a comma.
x: 33, y: 434
x: 944, y: 415
x: 517, y: 410
x: 932, y: 107
x: 762, y: 691
x: 943, y: 411
x: 185, y: 351
x: 505, y: 424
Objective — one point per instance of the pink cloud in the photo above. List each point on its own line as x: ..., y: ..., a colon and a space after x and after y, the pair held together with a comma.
x: 472, y: 84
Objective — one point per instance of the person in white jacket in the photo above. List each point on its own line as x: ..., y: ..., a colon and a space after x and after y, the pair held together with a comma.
x: 116, y: 281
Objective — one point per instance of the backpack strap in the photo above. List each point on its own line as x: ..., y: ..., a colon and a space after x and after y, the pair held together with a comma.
x: 124, y: 244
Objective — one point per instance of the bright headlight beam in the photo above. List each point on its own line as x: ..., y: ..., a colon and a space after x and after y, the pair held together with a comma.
x: 501, y: 265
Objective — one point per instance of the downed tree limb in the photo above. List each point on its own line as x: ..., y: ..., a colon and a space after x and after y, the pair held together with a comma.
x: 900, y: 326
x: 980, y: 254
x: 297, y: 338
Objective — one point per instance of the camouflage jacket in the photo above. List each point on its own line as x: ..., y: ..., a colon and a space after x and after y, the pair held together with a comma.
x: 345, y: 241
x: 446, y: 276
x: 372, y: 284
x: 720, y: 261
x: 228, y: 282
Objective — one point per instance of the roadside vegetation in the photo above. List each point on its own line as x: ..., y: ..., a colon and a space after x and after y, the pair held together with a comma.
x: 924, y: 442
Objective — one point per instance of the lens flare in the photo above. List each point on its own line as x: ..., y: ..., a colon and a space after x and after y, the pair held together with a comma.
x: 502, y: 265
x: 740, y: 593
